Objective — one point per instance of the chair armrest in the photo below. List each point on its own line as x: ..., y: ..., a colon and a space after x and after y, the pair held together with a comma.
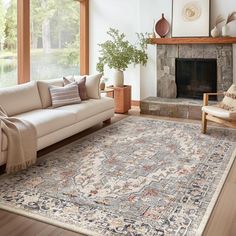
x: 206, y: 97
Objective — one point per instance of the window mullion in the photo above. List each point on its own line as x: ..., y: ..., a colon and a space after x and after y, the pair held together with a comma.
x: 23, y: 40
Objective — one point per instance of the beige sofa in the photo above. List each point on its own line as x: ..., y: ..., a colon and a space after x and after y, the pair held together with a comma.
x: 32, y: 102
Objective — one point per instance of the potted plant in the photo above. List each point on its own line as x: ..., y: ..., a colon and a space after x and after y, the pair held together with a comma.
x: 118, y: 53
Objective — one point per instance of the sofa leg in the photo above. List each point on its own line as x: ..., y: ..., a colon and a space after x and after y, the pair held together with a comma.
x: 204, y: 122
x: 107, y: 122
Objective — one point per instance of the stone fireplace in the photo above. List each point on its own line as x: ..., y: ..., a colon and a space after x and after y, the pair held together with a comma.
x: 166, y: 65
x: 168, y: 101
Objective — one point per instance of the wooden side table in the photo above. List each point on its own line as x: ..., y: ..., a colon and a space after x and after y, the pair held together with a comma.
x: 108, y: 91
x: 122, y: 98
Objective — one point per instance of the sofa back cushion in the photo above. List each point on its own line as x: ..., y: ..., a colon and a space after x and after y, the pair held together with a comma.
x: 43, y: 86
x: 20, y: 98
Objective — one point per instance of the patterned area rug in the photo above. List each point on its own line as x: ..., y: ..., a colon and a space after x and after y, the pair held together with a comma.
x: 136, y: 177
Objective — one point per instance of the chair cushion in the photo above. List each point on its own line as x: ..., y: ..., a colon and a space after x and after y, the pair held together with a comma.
x: 62, y: 96
x: 43, y: 87
x: 219, y: 112
x: 89, y: 107
x: 20, y: 98
x: 48, y: 120
x: 229, y: 101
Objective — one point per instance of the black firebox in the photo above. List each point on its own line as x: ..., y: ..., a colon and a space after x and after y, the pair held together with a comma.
x: 195, y: 77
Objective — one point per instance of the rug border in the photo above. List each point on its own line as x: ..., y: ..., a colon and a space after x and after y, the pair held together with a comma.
x: 216, y: 196
x: 49, y: 221
x: 84, y: 231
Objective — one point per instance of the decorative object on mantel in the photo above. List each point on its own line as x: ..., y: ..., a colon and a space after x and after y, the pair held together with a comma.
x: 215, y: 32
x: 152, y: 35
x: 190, y: 18
x: 162, y: 27
x: 118, y: 53
x: 231, y: 17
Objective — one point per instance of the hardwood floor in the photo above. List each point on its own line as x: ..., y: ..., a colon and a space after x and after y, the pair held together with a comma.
x: 221, y: 223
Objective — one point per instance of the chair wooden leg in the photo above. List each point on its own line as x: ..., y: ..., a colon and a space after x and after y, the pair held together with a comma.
x: 204, y: 122
x: 108, y: 121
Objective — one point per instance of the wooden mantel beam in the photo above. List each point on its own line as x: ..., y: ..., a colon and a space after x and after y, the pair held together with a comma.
x: 208, y: 40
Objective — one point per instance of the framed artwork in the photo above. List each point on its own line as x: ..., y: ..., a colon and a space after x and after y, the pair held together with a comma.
x: 190, y: 18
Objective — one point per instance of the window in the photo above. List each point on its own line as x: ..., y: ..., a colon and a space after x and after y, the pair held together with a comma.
x: 51, y: 38
x: 55, y: 38
x: 8, y: 42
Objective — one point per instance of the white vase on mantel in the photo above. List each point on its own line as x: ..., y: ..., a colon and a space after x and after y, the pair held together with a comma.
x: 215, y: 32
x: 225, y: 30
x: 118, y: 78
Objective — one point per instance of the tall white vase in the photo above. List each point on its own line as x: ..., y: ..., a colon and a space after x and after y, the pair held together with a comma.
x: 118, y: 78
x: 224, y: 30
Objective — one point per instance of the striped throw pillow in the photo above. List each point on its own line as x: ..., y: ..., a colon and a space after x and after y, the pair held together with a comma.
x: 67, y: 95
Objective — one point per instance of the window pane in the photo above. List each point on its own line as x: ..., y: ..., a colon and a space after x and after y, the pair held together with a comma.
x: 8, y: 42
x: 54, y: 38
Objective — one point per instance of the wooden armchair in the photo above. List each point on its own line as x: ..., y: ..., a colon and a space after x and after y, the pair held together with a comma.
x: 216, y: 114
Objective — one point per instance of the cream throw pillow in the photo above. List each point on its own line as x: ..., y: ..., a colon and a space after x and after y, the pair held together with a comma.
x: 93, y: 86
x: 229, y: 101
x: 62, y: 96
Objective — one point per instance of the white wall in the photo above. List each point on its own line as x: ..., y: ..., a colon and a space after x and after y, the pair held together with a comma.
x: 130, y: 16
x: 119, y: 14
x: 223, y: 8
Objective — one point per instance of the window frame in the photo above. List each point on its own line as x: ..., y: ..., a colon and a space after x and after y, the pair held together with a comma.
x: 23, y: 39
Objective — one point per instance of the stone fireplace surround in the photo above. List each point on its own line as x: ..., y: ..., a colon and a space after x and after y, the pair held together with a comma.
x: 166, y: 103
x: 166, y: 55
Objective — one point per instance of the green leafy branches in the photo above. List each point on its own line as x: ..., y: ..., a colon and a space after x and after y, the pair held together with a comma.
x: 118, y: 53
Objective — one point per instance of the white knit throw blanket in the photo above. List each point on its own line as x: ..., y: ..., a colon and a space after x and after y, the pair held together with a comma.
x: 22, y: 142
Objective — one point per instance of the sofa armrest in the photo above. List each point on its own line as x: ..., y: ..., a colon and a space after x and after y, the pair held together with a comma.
x: 206, y: 97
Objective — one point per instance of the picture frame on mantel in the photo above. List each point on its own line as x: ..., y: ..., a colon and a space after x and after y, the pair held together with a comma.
x: 190, y: 18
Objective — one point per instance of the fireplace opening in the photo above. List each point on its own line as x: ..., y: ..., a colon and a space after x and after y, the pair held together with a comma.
x: 195, y: 77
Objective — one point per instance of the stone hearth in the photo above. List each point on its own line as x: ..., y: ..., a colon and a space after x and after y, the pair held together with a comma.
x: 166, y: 103
x: 172, y: 107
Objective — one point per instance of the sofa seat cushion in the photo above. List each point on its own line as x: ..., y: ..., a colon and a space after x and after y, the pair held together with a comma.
x: 219, y: 112
x: 89, y: 107
x: 48, y: 120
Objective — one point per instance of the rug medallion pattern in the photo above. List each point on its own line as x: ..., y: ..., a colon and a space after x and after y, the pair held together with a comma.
x: 136, y: 177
